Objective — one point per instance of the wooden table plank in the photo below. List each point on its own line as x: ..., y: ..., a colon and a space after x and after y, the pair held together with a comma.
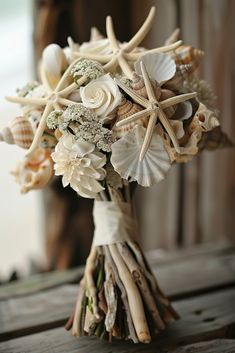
x: 215, y: 346
x: 157, y: 259
x: 205, y: 317
x: 50, y: 308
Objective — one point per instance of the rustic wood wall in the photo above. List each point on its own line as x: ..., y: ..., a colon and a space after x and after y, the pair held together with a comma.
x: 196, y: 202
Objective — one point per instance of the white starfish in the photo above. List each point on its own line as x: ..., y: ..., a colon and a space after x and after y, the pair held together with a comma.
x: 153, y: 109
x: 122, y: 55
x: 54, y: 99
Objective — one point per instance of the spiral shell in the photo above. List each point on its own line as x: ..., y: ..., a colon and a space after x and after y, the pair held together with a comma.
x: 19, y: 132
x: 125, y: 109
x: 182, y: 73
x: 207, y: 118
x: 139, y: 86
x: 185, y: 54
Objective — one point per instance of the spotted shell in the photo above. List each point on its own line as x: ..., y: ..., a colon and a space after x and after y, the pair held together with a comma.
x: 185, y: 54
x: 19, y: 132
x: 139, y: 86
x: 126, y: 108
x: 165, y: 94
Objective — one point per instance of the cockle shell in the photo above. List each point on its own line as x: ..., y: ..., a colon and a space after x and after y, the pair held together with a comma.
x: 160, y: 67
x: 35, y: 171
x: 139, y: 86
x: 125, y: 109
x: 185, y: 54
x: 126, y: 153
x: 165, y: 94
x: 19, y: 132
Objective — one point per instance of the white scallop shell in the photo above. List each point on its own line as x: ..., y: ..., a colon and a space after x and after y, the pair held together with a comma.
x: 159, y: 66
x: 126, y: 153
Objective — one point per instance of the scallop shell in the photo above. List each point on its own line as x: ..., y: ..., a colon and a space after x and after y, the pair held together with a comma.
x: 19, y: 132
x: 159, y: 66
x: 125, y: 109
x: 35, y: 171
x: 185, y: 54
x: 165, y: 94
x: 139, y: 86
x: 125, y: 158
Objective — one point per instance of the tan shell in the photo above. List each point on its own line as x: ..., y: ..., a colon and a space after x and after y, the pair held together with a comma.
x: 35, y: 171
x: 19, y: 132
x: 165, y: 94
x: 139, y: 86
x: 207, y: 119
x: 182, y: 73
x: 185, y: 54
x: 126, y: 108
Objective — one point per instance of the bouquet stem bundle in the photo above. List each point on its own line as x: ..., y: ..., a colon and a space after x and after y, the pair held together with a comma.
x: 119, y: 295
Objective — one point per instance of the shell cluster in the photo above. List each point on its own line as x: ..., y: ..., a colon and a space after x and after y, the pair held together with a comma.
x: 136, y: 110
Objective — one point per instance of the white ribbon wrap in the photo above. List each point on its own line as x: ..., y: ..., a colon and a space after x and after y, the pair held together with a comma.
x: 113, y: 222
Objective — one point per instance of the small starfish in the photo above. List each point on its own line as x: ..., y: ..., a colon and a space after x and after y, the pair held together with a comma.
x: 54, y: 99
x: 154, y: 110
x: 122, y: 55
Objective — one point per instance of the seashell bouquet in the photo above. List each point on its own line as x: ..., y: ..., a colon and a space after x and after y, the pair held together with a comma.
x: 106, y: 116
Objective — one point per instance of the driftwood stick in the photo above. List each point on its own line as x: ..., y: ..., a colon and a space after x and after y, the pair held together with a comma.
x: 139, y: 277
x: 123, y: 294
x: 133, y: 295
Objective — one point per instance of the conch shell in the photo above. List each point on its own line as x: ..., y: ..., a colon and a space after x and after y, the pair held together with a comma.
x: 126, y: 108
x: 139, y: 86
x: 35, y: 171
x: 19, y: 132
x: 185, y: 54
x: 126, y: 162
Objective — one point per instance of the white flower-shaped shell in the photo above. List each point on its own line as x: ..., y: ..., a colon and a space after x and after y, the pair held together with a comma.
x: 126, y: 153
x: 102, y: 95
x: 161, y: 67
x: 80, y: 165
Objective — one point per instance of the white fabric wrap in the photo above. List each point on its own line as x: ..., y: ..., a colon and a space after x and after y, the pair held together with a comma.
x: 113, y: 222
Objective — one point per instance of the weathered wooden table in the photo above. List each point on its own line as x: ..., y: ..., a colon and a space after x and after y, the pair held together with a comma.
x: 199, y: 281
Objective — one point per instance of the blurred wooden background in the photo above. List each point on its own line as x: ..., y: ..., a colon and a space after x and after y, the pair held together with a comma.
x: 196, y: 202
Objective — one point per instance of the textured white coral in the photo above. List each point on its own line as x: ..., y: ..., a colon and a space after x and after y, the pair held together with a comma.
x: 80, y: 165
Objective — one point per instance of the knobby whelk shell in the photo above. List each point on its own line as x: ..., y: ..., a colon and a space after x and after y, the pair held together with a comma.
x: 126, y: 162
x: 126, y: 108
x: 35, y: 171
x: 19, y: 132
x: 186, y: 54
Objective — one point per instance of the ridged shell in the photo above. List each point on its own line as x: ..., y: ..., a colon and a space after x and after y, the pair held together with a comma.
x: 139, y: 86
x: 125, y: 109
x: 35, y: 171
x: 126, y: 153
x: 165, y: 94
x: 19, y: 132
x: 160, y: 67
x: 185, y: 54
